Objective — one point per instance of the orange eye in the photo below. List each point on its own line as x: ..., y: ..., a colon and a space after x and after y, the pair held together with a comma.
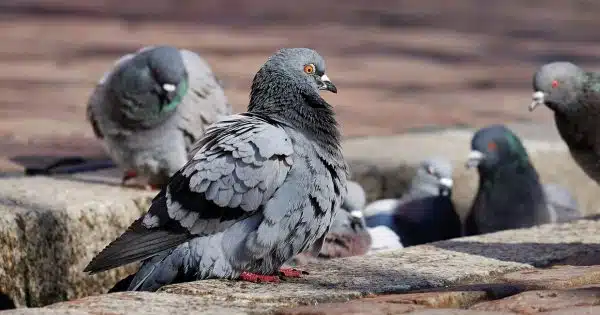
x: 492, y: 146
x: 309, y: 68
x: 554, y: 83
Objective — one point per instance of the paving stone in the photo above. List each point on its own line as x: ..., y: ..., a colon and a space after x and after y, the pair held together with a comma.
x: 352, y: 308
x: 450, y: 311
x: 582, y: 310
x: 452, y: 299
x: 543, y: 300
x: 556, y: 277
x: 51, y: 229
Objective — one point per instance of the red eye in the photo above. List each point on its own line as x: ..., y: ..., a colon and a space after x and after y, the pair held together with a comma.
x: 492, y: 146
x: 554, y: 83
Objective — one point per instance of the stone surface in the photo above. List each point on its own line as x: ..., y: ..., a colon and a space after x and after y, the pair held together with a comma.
x: 351, y: 308
x: 449, y: 311
x: 543, y: 300
x: 453, y: 299
x: 557, y: 277
x: 50, y: 230
x: 385, y: 165
x: 582, y: 310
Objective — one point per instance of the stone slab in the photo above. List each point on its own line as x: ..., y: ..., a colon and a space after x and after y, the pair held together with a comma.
x: 582, y: 310
x: 543, y: 300
x: 557, y: 277
x: 385, y: 165
x: 51, y: 229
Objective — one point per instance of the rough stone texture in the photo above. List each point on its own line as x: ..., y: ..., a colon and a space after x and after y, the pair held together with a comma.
x: 50, y: 230
x: 44, y: 311
x: 453, y: 299
x: 352, y: 308
x: 544, y: 300
x: 557, y: 277
x: 449, y: 311
x: 582, y: 310
x: 385, y: 165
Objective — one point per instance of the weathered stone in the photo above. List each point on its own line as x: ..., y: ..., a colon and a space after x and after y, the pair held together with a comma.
x: 450, y: 311
x: 385, y: 165
x: 44, y: 311
x: 138, y: 303
x: 451, y: 299
x: 51, y: 230
x: 351, y: 308
x: 543, y: 300
x: 582, y: 310
x: 558, y: 277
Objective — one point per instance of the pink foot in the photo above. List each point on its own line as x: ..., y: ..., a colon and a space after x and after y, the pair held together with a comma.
x: 252, y: 277
x: 292, y: 273
x: 127, y: 175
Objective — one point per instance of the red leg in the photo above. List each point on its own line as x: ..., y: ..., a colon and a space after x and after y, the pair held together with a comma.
x: 127, y: 175
x: 154, y: 187
x: 292, y: 273
x: 252, y: 277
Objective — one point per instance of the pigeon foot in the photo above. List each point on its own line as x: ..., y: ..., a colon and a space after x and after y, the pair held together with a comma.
x: 252, y: 277
x: 292, y: 272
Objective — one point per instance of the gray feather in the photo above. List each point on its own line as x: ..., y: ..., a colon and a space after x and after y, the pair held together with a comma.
x: 561, y: 203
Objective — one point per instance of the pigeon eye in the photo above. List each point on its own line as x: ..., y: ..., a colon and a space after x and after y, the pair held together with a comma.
x: 309, y: 68
x: 554, y: 84
x: 492, y: 146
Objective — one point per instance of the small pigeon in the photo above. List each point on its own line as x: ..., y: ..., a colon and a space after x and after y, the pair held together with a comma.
x: 151, y: 107
x: 426, y: 213
x: 574, y: 96
x: 562, y: 204
x: 347, y: 235
x: 261, y: 187
x: 510, y: 194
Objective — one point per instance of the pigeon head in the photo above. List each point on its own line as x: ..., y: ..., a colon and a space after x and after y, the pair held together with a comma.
x: 434, y: 175
x: 494, y: 146
x: 556, y: 85
x: 293, y: 73
x: 151, y: 84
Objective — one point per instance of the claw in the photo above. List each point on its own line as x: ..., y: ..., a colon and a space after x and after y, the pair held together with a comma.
x: 252, y: 277
x: 292, y: 273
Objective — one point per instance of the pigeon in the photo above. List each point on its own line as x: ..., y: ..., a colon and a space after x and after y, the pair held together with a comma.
x: 574, y: 96
x: 562, y: 204
x: 510, y: 194
x: 261, y: 187
x: 152, y: 107
x: 426, y: 213
x: 347, y: 235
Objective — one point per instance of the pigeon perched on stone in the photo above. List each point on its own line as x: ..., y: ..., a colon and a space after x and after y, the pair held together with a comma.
x: 510, y: 194
x: 574, y: 96
x: 562, y: 204
x: 426, y: 213
x: 347, y: 235
x: 151, y: 107
x: 261, y: 187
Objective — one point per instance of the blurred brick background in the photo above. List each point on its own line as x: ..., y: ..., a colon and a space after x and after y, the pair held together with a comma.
x: 399, y: 65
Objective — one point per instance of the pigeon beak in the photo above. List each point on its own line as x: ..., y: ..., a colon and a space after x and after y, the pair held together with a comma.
x: 327, y: 84
x: 474, y: 158
x: 169, y: 87
x: 538, y: 99
x: 446, y: 182
x: 356, y: 214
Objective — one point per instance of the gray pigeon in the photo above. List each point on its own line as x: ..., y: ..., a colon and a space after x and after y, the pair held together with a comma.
x: 562, y: 204
x: 347, y: 235
x: 574, y: 96
x: 425, y: 213
x: 261, y: 187
x: 510, y: 194
x: 151, y: 107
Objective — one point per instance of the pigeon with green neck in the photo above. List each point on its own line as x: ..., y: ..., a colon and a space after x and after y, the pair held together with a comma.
x: 510, y: 193
x: 574, y: 96
x: 151, y: 107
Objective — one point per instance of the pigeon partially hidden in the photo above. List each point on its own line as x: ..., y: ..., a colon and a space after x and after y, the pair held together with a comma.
x: 261, y: 187
x: 425, y: 213
x: 574, y: 96
x: 347, y: 235
x: 562, y: 204
x: 510, y: 193
x: 151, y: 107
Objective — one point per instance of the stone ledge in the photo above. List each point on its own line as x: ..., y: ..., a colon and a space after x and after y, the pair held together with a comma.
x: 51, y: 228
x: 385, y: 165
x: 436, y: 265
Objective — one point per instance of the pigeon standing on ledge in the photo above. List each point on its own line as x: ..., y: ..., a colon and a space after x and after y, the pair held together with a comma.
x: 261, y: 187
x: 151, y: 107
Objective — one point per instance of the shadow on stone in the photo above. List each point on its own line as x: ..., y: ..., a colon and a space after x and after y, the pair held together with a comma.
x: 6, y: 303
